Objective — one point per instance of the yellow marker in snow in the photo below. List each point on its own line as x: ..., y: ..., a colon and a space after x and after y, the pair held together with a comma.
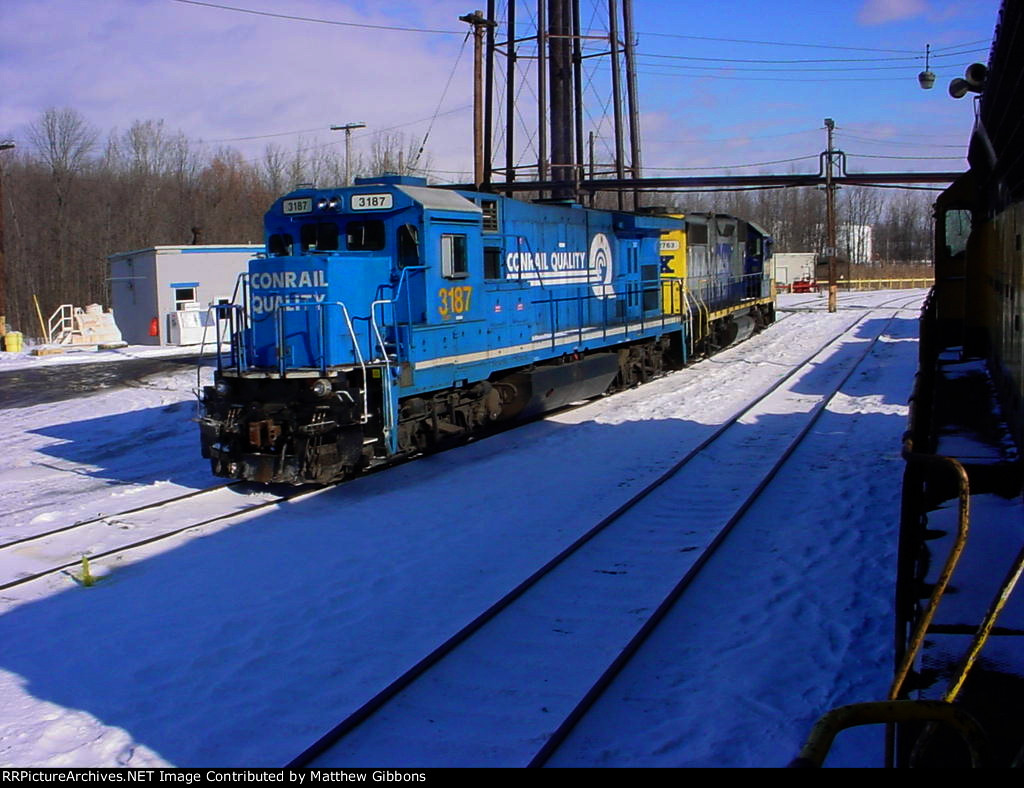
x: 87, y: 578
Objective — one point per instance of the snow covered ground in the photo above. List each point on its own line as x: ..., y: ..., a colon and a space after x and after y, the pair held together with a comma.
x: 241, y: 642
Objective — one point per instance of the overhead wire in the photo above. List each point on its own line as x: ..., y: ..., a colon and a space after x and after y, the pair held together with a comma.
x: 949, y: 51
x: 409, y: 29
x: 444, y: 93
x: 733, y: 166
x: 295, y: 18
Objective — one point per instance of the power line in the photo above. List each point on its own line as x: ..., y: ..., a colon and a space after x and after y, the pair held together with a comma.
x: 293, y: 18
x: 400, y: 28
x: 745, y: 78
x: 778, y: 43
x: 806, y: 60
x: 804, y: 68
x: 732, y: 166
x: 875, y: 141
x: 338, y: 142
x: 911, y: 158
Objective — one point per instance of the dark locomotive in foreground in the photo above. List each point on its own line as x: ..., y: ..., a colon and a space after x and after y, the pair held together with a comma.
x: 391, y: 318
x: 957, y: 686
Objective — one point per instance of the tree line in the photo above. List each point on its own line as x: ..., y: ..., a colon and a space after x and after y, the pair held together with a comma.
x: 72, y: 197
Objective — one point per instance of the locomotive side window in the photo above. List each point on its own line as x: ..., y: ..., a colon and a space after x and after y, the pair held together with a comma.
x: 697, y: 233
x: 367, y: 236
x: 492, y: 262
x: 280, y: 244
x: 319, y: 237
x: 454, y: 257
x: 408, y: 245
x: 957, y: 229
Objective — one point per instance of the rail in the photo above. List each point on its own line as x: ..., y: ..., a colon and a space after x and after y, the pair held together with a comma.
x: 896, y: 710
x: 675, y: 583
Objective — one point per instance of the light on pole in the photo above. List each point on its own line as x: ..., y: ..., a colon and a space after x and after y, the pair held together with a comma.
x: 347, y: 128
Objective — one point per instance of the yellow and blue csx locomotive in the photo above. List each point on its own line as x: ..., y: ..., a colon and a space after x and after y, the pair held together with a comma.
x: 390, y: 318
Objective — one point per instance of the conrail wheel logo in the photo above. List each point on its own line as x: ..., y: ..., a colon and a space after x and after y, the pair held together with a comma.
x: 601, y: 266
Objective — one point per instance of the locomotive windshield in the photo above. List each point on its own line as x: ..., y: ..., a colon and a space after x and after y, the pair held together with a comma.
x: 319, y: 237
x: 365, y: 236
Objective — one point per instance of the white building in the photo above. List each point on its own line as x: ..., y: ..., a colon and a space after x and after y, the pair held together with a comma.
x: 161, y: 295
x: 791, y: 266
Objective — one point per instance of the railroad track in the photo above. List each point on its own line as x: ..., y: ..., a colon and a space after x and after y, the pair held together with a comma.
x: 61, y: 549
x: 528, y: 668
x: 846, y: 301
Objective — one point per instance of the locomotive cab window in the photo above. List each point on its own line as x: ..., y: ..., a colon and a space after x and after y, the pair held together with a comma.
x: 956, y: 229
x: 280, y: 244
x: 454, y: 256
x: 408, y: 245
x: 365, y: 236
x: 697, y: 233
x: 492, y: 262
x: 319, y: 237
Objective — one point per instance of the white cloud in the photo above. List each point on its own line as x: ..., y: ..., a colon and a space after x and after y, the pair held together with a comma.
x: 879, y: 12
x: 217, y: 75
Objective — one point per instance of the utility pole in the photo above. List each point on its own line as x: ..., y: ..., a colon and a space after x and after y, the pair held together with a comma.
x: 830, y: 216
x: 347, y: 128
x: 613, y: 40
x: 5, y: 145
x: 480, y: 24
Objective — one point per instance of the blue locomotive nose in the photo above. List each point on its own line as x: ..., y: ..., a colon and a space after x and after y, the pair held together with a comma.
x: 314, y: 311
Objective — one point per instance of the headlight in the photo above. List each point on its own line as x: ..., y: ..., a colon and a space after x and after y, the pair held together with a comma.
x: 322, y: 388
x: 223, y: 388
x: 321, y: 203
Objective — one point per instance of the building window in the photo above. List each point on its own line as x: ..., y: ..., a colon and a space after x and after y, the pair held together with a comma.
x: 454, y: 257
x: 183, y: 297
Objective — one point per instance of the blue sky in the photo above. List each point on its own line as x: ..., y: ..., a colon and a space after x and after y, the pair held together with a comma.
x: 711, y: 99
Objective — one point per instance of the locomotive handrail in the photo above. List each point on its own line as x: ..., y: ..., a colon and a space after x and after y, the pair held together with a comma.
x: 390, y: 420
x: 237, y: 315
x: 963, y: 526
x: 396, y: 292
x: 319, y: 306
x: 819, y: 741
x: 640, y: 324
x: 390, y: 417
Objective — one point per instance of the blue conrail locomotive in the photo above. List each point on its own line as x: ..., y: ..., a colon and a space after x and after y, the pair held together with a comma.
x: 391, y: 318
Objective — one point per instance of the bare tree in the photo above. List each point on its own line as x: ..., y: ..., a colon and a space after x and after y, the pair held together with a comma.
x: 63, y: 140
